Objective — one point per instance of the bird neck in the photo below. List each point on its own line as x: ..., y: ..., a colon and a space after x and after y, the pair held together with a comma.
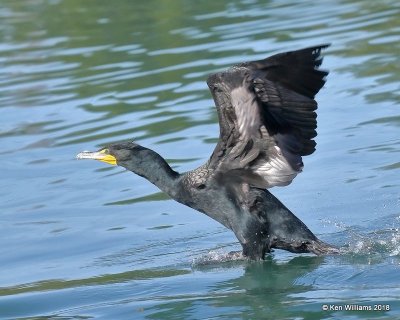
x: 151, y: 166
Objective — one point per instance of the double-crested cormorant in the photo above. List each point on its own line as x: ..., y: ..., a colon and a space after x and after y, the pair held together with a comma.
x: 267, y: 120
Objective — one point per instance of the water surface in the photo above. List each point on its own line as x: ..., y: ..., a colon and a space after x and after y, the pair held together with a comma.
x: 84, y: 240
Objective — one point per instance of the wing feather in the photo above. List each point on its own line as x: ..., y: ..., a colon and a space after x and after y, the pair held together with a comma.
x: 267, y: 116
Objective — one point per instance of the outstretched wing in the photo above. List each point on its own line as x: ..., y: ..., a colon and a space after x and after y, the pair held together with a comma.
x: 267, y: 117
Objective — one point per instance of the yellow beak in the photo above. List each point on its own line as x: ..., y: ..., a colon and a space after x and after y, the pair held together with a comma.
x: 101, y: 155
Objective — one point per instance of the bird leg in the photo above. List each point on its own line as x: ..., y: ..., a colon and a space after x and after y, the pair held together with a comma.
x: 271, y: 225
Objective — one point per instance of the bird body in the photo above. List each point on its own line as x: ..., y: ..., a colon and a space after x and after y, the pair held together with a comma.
x: 267, y: 118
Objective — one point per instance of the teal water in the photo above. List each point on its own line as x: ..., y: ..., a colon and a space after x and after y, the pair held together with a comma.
x: 83, y: 240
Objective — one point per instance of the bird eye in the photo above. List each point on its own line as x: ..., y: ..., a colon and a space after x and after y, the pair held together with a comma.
x: 201, y: 186
x: 105, y: 151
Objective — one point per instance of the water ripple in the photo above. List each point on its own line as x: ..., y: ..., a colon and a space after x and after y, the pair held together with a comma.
x: 85, y: 240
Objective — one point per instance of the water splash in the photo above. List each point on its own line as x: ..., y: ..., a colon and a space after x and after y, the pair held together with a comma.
x: 218, y: 256
x: 384, y: 240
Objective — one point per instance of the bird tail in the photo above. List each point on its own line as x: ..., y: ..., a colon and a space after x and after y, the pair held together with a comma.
x: 316, y: 246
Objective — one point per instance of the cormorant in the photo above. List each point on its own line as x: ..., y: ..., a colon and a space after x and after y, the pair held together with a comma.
x: 267, y: 120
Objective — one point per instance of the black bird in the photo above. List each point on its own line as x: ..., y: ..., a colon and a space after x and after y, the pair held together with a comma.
x: 267, y: 120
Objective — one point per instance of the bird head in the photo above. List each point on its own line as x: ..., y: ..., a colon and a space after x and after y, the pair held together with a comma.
x: 114, y: 154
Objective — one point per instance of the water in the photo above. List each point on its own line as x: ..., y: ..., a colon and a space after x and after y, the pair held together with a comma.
x: 81, y: 239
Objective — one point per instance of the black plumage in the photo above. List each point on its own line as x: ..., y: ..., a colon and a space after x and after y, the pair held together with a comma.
x: 267, y: 120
